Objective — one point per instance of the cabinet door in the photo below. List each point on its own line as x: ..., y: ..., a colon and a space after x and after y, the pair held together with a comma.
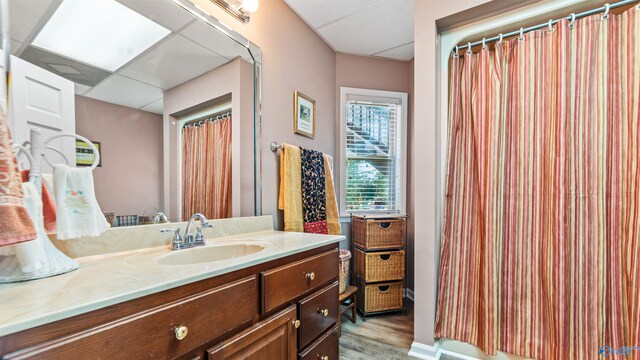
x: 272, y: 338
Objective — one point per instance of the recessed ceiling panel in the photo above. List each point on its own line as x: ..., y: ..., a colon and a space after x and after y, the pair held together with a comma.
x: 173, y: 62
x: 164, y: 12
x: 123, y: 91
x: 374, y: 30
x: 110, y: 38
x: 319, y: 13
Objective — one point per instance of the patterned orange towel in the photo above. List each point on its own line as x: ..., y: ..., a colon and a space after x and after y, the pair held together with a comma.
x: 48, y: 205
x: 15, y: 224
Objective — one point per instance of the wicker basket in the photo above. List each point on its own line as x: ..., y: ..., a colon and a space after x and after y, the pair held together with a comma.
x: 343, y: 270
x: 379, y: 266
x: 372, y: 234
x: 379, y: 297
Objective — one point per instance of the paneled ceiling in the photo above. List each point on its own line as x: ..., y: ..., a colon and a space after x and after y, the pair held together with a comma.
x: 190, y: 50
x: 382, y: 28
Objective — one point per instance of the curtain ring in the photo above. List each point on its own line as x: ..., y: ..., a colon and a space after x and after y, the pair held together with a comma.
x: 605, y: 16
x: 521, y: 38
x: 572, y: 23
x: 500, y: 36
x: 551, y: 29
x: 469, y: 52
x: 484, y: 43
x: 455, y: 52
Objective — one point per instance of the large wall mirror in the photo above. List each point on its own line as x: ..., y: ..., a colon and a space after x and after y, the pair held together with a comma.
x: 168, y: 94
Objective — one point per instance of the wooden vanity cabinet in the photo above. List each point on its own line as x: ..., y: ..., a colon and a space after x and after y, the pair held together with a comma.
x: 260, y: 312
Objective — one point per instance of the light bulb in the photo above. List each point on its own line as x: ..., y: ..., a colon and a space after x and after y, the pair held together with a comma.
x: 250, y: 5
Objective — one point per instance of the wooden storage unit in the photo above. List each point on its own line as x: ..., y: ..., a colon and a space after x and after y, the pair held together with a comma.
x: 379, y: 251
x: 282, y: 309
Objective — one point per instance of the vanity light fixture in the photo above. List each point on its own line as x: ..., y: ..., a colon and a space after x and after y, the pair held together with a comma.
x: 109, y: 39
x: 239, y: 9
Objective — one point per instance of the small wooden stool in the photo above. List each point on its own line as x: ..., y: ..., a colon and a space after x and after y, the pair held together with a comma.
x: 349, y: 293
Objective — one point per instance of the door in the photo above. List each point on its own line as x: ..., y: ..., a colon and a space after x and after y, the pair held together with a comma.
x: 272, y: 338
x: 42, y: 100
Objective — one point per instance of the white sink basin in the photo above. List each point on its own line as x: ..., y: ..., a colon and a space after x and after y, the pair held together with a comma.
x: 207, y: 254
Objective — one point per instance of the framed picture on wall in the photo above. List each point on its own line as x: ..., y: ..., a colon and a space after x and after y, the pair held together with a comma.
x: 85, y: 155
x: 304, y: 115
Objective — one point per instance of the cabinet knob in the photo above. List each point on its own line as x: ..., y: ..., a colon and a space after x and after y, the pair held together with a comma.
x: 323, y: 312
x: 311, y: 276
x: 181, y: 332
x: 296, y: 323
x: 323, y: 357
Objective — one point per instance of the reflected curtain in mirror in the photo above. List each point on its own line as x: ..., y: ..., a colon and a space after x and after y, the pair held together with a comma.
x: 206, y: 170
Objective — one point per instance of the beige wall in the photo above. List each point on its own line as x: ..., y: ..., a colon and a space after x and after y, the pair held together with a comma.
x: 234, y: 78
x: 130, y: 179
x: 379, y: 74
x: 424, y: 162
x: 294, y: 58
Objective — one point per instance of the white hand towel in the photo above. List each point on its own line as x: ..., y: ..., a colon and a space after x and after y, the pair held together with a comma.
x: 78, y: 211
x: 30, y: 254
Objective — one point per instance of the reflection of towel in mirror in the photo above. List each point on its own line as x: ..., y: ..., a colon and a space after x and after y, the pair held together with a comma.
x: 30, y: 254
x: 48, y: 205
x: 14, y: 221
x: 78, y: 211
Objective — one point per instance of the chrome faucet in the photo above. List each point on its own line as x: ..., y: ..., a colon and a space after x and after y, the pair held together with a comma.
x: 160, y: 217
x: 189, y: 240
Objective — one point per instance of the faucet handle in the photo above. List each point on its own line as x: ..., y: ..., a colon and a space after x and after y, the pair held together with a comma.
x: 177, y: 239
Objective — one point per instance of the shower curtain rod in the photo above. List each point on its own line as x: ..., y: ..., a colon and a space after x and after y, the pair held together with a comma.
x: 222, y: 115
x: 573, y: 17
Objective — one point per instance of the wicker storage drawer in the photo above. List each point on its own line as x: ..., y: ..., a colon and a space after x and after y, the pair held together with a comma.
x: 379, y: 297
x: 373, y: 234
x: 379, y: 266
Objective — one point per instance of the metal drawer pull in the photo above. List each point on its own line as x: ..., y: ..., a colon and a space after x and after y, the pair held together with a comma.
x: 311, y: 276
x: 323, y: 312
x: 323, y: 357
x: 296, y: 323
x: 181, y: 332
x: 385, y: 225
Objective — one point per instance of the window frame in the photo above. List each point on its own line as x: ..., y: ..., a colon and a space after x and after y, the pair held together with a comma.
x: 401, y: 158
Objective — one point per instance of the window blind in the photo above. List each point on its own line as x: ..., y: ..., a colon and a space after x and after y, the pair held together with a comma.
x: 373, y: 172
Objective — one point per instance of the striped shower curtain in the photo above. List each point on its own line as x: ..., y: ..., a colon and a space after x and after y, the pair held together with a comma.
x: 206, y: 169
x: 540, y: 253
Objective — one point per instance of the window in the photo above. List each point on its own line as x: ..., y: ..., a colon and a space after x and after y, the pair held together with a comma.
x: 373, y: 139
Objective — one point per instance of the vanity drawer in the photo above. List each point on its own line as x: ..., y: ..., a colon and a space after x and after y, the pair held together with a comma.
x: 317, y: 313
x: 152, y: 334
x: 327, y: 345
x: 287, y: 282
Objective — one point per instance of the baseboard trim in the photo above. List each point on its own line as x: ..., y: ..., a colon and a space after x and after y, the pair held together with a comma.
x: 423, y: 351
x: 408, y: 293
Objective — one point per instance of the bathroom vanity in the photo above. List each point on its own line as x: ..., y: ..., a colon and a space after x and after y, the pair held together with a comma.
x: 277, y: 303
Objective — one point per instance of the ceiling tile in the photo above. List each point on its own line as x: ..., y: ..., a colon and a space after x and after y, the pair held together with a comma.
x: 32, y: 14
x: 123, y: 91
x: 164, y: 12
x: 404, y: 52
x: 214, y: 40
x: 319, y: 13
x: 376, y: 29
x: 173, y: 62
x: 155, y: 107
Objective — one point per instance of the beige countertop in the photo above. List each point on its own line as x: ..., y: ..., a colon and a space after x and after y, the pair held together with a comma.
x: 108, y: 279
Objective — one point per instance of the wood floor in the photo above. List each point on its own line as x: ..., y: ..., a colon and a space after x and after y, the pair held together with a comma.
x: 386, y: 337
